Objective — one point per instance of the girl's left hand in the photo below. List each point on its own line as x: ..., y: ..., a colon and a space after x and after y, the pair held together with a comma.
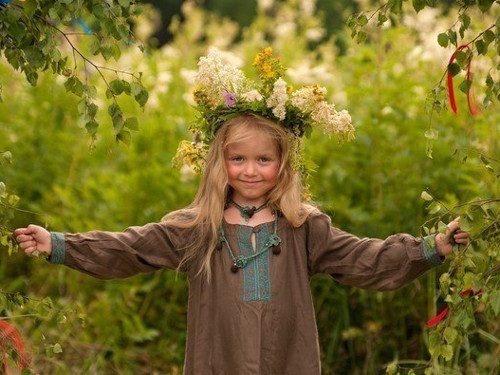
x: 444, y: 244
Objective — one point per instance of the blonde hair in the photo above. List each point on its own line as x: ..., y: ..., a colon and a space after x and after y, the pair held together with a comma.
x: 205, y: 213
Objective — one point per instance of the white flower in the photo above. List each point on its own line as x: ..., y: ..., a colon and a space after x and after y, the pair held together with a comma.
x: 278, y: 99
x: 323, y: 115
x: 344, y: 121
x: 308, y: 98
x: 230, y: 58
x: 252, y: 96
x: 216, y: 77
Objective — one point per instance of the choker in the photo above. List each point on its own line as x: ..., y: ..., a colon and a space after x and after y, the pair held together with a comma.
x: 247, y: 212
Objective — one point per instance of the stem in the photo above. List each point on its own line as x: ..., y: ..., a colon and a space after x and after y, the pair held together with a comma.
x: 489, y: 272
x: 20, y: 210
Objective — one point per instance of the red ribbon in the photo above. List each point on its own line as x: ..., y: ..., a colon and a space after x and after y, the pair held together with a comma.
x: 438, y: 317
x: 10, y: 337
x: 473, y: 107
x: 443, y: 313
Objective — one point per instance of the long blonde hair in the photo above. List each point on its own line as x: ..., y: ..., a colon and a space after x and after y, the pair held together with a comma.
x: 206, y: 212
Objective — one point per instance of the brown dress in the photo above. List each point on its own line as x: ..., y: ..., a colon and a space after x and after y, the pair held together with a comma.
x: 259, y: 320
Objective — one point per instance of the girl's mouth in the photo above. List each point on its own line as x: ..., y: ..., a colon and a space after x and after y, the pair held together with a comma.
x: 250, y: 183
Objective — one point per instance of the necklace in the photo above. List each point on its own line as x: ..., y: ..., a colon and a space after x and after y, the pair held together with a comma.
x: 247, y: 212
x: 240, y: 261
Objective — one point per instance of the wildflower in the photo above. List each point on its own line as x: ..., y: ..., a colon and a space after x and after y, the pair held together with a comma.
x: 229, y: 99
x: 215, y: 77
x: 252, y: 96
x: 278, y: 99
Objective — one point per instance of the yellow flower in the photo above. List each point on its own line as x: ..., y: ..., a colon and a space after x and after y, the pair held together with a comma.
x: 257, y: 60
x: 270, y: 74
x: 268, y: 51
x: 266, y: 68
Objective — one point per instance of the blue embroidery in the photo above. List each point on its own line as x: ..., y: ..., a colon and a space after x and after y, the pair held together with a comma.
x: 58, y: 253
x: 256, y: 280
x: 430, y: 251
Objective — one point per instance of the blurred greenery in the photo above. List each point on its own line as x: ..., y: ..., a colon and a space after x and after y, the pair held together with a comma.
x: 370, y: 187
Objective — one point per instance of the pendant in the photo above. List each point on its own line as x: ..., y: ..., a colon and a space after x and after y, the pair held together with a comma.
x: 276, y: 249
x: 239, y: 262
x: 247, y: 212
x: 274, y: 240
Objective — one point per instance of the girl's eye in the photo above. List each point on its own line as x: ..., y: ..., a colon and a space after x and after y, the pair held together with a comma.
x: 265, y: 159
x: 236, y: 158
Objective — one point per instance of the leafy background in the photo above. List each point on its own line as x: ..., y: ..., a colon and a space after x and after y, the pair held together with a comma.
x: 370, y: 187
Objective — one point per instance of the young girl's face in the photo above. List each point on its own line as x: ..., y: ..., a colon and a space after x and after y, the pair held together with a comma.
x: 252, y: 167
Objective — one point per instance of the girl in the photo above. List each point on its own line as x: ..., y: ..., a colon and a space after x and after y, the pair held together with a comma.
x: 250, y: 246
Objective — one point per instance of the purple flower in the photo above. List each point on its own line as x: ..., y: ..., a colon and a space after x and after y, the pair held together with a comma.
x: 229, y: 99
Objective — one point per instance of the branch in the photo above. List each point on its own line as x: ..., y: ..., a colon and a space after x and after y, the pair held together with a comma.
x: 20, y: 210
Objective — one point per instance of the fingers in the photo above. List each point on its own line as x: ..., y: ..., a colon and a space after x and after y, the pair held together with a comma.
x: 453, y: 226
x: 29, y: 247
x: 24, y: 237
x: 27, y: 244
x: 461, y: 237
x: 32, y: 251
x: 19, y: 231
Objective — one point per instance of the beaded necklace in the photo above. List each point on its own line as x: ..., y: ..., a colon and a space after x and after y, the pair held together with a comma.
x: 247, y: 212
x: 240, y: 261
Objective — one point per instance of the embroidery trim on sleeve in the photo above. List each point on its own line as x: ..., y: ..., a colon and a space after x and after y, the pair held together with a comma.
x: 430, y: 251
x: 58, y: 248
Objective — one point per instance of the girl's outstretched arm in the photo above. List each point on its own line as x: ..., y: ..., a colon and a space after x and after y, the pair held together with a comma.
x: 369, y: 263
x: 108, y: 255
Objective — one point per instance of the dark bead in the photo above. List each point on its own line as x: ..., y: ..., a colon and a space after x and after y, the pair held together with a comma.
x: 276, y: 249
x: 256, y: 229
x: 234, y: 268
x: 249, y: 211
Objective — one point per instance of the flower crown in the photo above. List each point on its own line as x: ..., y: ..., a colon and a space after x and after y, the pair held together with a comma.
x: 224, y: 92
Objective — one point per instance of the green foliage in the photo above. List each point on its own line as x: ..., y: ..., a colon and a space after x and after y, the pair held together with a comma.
x: 482, y: 41
x: 8, y: 201
x: 32, y: 38
x: 472, y: 281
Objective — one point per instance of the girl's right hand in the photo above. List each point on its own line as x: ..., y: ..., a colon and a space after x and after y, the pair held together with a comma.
x: 34, y: 238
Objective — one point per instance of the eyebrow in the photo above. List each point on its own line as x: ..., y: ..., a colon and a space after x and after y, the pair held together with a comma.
x: 270, y: 156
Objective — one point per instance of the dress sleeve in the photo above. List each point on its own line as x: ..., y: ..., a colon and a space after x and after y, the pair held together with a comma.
x: 368, y: 263
x: 116, y: 255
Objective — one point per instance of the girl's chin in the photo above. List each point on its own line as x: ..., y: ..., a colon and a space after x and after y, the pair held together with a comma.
x: 248, y: 196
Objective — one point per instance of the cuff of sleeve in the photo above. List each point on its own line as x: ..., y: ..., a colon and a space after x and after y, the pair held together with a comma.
x: 58, y: 253
x: 430, y: 252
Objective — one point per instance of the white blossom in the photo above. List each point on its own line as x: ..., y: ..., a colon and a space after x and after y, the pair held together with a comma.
x: 252, y: 96
x: 344, y: 122
x: 278, y: 99
x: 216, y: 77
x: 308, y: 97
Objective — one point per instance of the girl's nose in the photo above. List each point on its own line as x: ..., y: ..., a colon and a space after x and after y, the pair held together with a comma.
x: 250, y: 168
